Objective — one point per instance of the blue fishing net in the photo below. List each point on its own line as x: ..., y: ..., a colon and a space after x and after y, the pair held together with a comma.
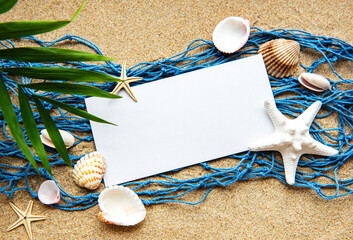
x: 315, y: 172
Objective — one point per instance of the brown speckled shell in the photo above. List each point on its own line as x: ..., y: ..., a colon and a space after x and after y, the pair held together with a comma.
x: 281, y: 57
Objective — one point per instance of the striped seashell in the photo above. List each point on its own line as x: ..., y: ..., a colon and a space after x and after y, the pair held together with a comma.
x: 89, y: 170
x: 281, y: 57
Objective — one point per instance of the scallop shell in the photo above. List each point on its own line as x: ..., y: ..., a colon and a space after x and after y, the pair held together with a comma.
x: 231, y: 34
x: 89, y: 170
x: 120, y: 206
x: 67, y: 137
x: 49, y: 192
x: 281, y: 57
x: 314, y: 82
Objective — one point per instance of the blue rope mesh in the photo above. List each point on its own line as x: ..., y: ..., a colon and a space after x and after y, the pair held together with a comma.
x: 337, y: 103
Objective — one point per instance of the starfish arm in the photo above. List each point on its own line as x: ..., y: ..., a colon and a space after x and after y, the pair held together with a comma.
x: 17, y: 210
x: 128, y: 90
x: 33, y: 218
x: 123, y: 71
x: 133, y: 79
x: 27, y: 224
x: 275, y: 115
x: 290, y: 162
x: 265, y: 144
x: 317, y: 148
x: 29, y: 208
x: 19, y: 222
x: 308, y: 116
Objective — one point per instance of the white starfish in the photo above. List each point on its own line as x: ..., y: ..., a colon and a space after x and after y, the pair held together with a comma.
x: 291, y: 138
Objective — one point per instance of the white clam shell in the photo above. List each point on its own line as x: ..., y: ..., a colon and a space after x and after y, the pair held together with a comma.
x: 49, y: 192
x: 67, y: 137
x: 120, y: 206
x: 314, y: 82
x: 89, y: 170
x: 231, y: 34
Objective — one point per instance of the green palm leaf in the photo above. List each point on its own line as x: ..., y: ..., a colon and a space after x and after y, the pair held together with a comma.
x: 31, y: 129
x: 49, y: 54
x: 17, y: 29
x: 70, y: 88
x: 52, y: 131
x: 11, y: 120
x: 6, y: 5
x: 74, y: 110
x: 10, y: 30
x: 66, y: 74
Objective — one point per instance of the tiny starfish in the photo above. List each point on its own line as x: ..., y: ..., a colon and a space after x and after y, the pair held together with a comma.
x: 291, y: 138
x: 25, y: 218
x: 125, y: 82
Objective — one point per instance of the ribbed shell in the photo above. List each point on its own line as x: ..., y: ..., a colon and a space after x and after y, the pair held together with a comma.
x: 281, y: 57
x: 89, y: 170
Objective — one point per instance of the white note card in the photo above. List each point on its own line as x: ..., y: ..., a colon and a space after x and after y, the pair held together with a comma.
x: 182, y: 120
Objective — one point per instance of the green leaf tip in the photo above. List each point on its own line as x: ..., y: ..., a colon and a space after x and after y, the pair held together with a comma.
x: 60, y: 73
x: 6, y: 5
x: 49, y: 54
x: 71, y: 109
x: 78, y: 11
x: 70, y: 88
x: 16, y: 29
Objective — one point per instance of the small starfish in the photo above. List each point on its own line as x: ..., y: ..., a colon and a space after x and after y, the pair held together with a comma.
x: 25, y: 218
x: 125, y: 82
x: 291, y: 138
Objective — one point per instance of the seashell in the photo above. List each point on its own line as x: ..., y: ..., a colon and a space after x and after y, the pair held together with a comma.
x: 67, y: 137
x: 89, y: 170
x: 281, y: 57
x: 314, y: 82
x: 231, y: 34
x: 120, y: 206
x: 49, y: 192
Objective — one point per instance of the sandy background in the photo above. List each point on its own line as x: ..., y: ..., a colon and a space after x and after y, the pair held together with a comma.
x: 141, y: 31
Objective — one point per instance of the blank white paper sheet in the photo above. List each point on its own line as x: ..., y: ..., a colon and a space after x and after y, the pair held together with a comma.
x: 182, y: 120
